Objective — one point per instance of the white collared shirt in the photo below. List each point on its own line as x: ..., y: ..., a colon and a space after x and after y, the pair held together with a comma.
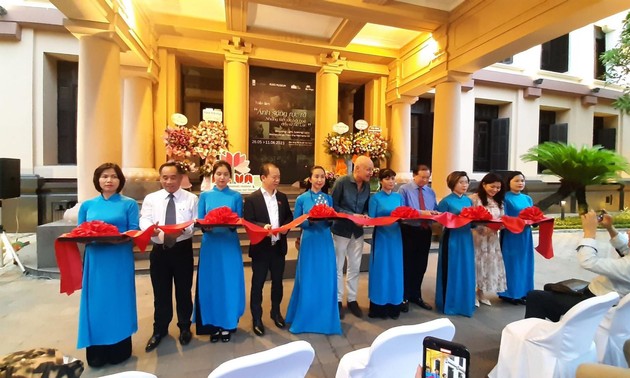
x: 272, y: 209
x: 614, y: 273
x: 154, y: 211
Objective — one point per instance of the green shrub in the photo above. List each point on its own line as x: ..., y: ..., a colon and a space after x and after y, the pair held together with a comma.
x: 621, y: 221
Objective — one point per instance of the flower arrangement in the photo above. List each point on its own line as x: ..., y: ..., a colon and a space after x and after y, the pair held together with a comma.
x: 338, y: 145
x: 208, y: 139
x: 205, y: 170
x: 205, y: 140
x: 178, y: 141
x: 186, y: 165
x: 370, y: 144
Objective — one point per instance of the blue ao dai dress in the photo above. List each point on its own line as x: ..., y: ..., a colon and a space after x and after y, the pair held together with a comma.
x: 313, y: 305
x: 455, y: 286
x: 107, y: 314
x: 385, y: 285
x: 518, y: 250
x: 220, y: 276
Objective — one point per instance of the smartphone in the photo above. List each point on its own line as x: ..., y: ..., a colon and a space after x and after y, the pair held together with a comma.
x: 444, y: 359
x: 600, y: 216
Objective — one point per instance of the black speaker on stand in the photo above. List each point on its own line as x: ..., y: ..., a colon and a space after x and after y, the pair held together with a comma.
x: 9, y: 188
x: 9, y: 178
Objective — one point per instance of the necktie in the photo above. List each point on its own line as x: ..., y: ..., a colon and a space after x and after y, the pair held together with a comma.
x: 421, y: 199
x: 170, y: 218
x: 423, y: 224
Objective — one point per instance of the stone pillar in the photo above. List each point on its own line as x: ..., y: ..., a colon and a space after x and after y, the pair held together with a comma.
x: 327, y: 104
x: 98, y: 110
x: 447, y: 134
x: 235, y: 93
x: 400, y: 137
x: 137, y: 129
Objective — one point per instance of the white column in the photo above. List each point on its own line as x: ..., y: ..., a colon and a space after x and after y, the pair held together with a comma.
x: 447, y: 134
x: 137, y: 129
x: 400, y: 137
x: 98, y: 110
x: 326, y: 110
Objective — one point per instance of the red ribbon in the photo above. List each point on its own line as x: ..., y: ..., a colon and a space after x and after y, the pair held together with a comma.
x: 69, y: 258
x: 527, y: 217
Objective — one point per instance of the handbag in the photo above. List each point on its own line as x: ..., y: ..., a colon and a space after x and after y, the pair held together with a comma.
x: 572, y: 286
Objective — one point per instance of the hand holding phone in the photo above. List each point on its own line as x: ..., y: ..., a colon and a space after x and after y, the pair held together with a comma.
x: 444, y: 358
x: 600, y: 215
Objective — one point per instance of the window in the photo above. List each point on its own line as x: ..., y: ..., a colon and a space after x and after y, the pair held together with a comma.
x: 491, y: 143
x: 421, y: 133
x: 600, y: 48
x: 67, y: 84
x: 508, y: 60
x: 555, y: 55
x: 550, y: 131
x: 604, y: 135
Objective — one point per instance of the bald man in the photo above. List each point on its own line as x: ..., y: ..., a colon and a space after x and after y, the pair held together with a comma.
x: 351, y: 195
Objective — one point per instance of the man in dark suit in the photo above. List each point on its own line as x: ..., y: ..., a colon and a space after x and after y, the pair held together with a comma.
x: 268, y: 208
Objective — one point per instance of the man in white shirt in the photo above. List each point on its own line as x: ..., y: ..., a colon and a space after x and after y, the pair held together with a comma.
x: 270, y: 209
x: 172, y: 255
x: 614, y: 273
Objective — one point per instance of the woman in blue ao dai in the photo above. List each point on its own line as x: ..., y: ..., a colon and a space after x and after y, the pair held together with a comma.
x: 220, y: 293
x: 455, y: 287
x: 385, y: 285
x: 313, y: 305
x: 105, y: 327
x: 518, y: 249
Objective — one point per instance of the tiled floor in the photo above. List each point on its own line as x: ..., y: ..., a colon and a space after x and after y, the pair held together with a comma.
x: 34, y: 314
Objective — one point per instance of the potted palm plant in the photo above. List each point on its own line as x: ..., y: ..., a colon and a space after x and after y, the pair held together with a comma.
x: 576, y: 169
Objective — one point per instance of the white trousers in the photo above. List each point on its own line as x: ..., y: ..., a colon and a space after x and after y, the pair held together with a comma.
x: 352, y: 248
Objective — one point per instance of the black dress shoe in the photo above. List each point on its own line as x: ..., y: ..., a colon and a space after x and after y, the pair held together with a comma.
x: 404, y: 306
x: 422, y: 304
x: 341, y: 313
x: 226, y: 336
x: 355, y: 309
x: 278, y: 320
x: 259, y: 328
x: 509, y: 300
x: 185, y: 336
x: 154, y: 341
x: 214, y: 338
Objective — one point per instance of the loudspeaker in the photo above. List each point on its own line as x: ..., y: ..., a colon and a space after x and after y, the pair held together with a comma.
x: 9, y: 178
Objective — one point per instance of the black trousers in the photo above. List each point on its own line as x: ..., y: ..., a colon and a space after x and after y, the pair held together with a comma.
x: 99, y: 355
x: 551, y: 305
x: 416, y: 246
x: 170, y: 265
x: 273, y: 262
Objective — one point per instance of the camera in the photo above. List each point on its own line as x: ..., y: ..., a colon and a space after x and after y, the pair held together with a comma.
x: 600, y: 216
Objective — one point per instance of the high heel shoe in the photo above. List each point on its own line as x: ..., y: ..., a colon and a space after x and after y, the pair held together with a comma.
x: 226, y: 336
x: 215, y: 336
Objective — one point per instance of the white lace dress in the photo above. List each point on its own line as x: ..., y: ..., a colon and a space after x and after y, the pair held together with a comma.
x: 488, y: 258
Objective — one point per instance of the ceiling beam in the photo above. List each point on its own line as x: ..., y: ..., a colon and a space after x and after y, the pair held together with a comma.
x: 378, y: 2
x: 236, y: 15
x: 346, y: 32
x: 197, y: 28
x: 395, y: 14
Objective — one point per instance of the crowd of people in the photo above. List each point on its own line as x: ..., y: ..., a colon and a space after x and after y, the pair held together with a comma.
x: 473, y: 262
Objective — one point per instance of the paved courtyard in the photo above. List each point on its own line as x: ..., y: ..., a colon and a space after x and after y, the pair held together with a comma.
x: 34, y: 314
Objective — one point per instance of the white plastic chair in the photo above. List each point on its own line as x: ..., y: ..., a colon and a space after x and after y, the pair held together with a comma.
x: 394, y: 353
x: 612, y: 333
x: 290, y: 360
x: 541, y: 348
x: 130, y: 374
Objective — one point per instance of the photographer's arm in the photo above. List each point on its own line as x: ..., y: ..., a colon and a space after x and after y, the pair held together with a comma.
x: 616, y: 269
